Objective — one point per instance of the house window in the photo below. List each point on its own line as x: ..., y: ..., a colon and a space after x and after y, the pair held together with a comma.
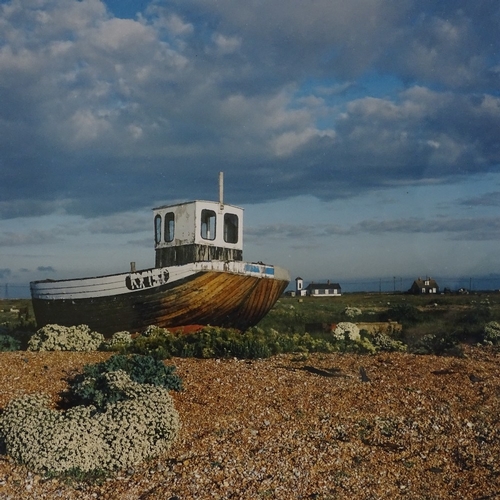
x: 423, y: 290
x: 208, y: 224
x: 230, y: 228
x: 169, y: 226
x: 426, y: 282
x: 157, y: 229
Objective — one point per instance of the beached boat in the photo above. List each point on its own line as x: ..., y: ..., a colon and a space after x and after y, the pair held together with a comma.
x: 199, y: 278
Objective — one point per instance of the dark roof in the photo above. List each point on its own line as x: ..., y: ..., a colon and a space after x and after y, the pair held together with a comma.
x: 421, y: 283
x: 323, y: 286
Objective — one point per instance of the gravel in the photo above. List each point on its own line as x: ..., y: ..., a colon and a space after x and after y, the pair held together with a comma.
x: 330, y: 426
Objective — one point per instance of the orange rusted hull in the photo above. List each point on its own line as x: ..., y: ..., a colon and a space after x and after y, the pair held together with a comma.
x: 205, y: 297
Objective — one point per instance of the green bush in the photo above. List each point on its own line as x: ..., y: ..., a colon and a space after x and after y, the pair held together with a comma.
x: 91, y: 387
x: 404, y: 313
x: 384, y: 342
x: 477, y: 315
x: 215, y: 342
x: 438, y: 343
x: 352, y: 312
x: 492, y: 333
x: 116, y: 341
x: 9, y: 343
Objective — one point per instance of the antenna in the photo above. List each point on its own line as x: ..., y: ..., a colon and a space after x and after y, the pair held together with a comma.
x: 221, y: 189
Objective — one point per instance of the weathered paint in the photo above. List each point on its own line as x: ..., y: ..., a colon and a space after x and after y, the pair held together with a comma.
x: 188, y: 224
x: 146, y: 279
x: 184, y: 254
x: 219, y: 294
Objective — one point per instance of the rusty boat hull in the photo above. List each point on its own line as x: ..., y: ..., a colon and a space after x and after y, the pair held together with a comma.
x: 229, y: 294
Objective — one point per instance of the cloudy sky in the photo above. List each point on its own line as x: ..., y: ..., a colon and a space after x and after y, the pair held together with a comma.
x: 362, y: 137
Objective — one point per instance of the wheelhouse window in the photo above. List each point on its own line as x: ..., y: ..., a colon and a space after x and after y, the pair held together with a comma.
x: 208, y: 218
x: 230, y: 228
x: 157, y: 229
x: 169, y: 226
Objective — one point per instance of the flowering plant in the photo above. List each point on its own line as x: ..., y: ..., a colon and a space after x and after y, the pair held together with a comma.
x: 125, y: 434
x: 65, y: 338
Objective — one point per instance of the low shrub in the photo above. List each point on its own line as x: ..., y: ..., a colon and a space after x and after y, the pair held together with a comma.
x: 492, y: 333
x: 437, y: 343
x: 346, y: 331
x: 407, y: 314
x: 117, y: 340
x: 385, y: 343
x: 216, y: 342
x: 9, y: 343
x: 476, y: 315
x: 91, y: 387
x: 80, y: 439
x: 352, y: 312
x: 65, y: 338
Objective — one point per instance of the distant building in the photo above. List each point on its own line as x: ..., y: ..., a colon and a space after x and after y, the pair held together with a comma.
x: 300, y: 291
x: 424, y: 286
x: 317, y: 289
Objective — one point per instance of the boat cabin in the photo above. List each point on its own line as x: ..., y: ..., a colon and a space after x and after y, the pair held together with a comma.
x: 197, y: 231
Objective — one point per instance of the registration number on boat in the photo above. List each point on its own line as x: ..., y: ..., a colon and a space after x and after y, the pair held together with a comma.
x: 146, y: 279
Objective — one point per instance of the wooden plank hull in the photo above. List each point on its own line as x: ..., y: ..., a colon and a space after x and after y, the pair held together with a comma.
x: 233, y: 294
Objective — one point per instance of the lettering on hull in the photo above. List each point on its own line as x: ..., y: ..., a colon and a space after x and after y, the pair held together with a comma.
x: 146, y: 279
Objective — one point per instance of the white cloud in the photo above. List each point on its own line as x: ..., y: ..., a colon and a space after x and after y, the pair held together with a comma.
x: 226, y: 44
x: 286, y: 143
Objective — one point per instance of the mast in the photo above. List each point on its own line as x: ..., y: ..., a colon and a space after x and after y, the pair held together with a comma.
x: 221, y: 189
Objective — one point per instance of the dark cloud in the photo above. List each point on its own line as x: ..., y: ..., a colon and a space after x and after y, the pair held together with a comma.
x: 474, y: 228
x: 123, y: 223
x: 488, y: 200
x: 46, y: 269
x: 35, y: 237
x: 479, y: 228
x: 102, y: 115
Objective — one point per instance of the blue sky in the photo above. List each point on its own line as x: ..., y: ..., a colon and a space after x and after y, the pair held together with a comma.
x: 362, y: 138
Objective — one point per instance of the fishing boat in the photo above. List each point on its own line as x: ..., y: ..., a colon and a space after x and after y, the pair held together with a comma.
x: 199, y: 278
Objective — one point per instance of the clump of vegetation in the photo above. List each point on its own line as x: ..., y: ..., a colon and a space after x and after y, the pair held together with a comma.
x: 117, y: 340
x: 492, y: 333
x: 474, y: 320
x: 65, y: 338
x: 216, y: 342
x: 352, y: 312
x: 82, y: 440
x: 9, y: 343
x: 386, y: 343
x: 346, y: 331
x: 92, y: 387
x: 14, y: 336
x: 404, y: 313
x: 441, y: 343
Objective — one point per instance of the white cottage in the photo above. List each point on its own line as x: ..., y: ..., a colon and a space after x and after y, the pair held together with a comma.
x: 317, y: 289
